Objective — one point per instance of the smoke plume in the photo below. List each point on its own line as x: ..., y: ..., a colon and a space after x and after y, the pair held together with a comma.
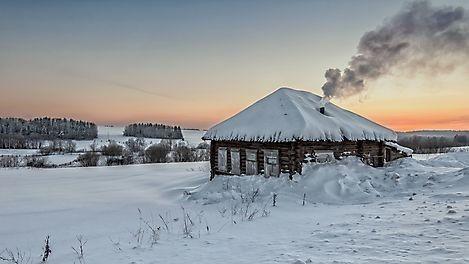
x: 419, y: 36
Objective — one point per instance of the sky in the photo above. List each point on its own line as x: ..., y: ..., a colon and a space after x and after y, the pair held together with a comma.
x: 196, y: 63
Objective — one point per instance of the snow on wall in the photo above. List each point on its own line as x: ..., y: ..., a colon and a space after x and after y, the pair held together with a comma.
x: 291, y: 115
x: 400, y: 148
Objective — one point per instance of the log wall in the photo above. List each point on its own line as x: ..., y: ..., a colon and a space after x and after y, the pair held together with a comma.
x: 292, y: 154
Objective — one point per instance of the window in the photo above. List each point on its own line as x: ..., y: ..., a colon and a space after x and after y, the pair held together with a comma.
x: 271, y: 163
x: 235, y: 161
x: 251, y: 161
x: 222, y: 159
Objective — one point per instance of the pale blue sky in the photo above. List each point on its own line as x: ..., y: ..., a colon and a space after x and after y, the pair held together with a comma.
x: 187, y: 62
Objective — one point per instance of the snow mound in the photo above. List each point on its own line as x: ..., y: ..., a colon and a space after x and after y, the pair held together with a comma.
x: 343, y: 182
x: 290, y: 115
x: 348, y: 181
x: 451, y: 159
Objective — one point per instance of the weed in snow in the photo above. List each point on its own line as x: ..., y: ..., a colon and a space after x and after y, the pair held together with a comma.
x: 15, y: 256
x: 79, y: 250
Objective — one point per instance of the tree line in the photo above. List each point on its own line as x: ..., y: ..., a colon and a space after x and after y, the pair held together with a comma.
x: 22, y: 133
x: 149, y: 130
x: 427, y: 144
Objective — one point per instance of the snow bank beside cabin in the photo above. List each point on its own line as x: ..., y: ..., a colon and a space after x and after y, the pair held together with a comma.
x: 342, y: 182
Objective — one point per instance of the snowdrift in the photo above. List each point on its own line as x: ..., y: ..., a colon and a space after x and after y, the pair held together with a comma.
x: 342, y: 182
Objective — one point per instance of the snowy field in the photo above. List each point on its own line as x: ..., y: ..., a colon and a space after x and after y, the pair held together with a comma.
x: 105, y: 135
x: 412, y: 211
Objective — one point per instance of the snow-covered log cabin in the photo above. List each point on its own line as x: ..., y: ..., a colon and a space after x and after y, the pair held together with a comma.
x: 287, y: 128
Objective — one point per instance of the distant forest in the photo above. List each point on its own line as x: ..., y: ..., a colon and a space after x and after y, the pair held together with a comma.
x: 22, y: 133
x: 150, y: 130
x: 433, y: 144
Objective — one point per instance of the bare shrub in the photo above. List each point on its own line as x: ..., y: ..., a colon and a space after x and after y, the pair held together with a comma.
x: 183, y: 154
x: 79, y: 250
x: 70, y: 146
x: 248, y: 207
x: 164, y: 222
x: 136, y: 146
x: 14, y: 256
x: 116, y: 245
x: 187, y: 224
x: 36, y: 161
x: 167, y: 143
x: 202, y: 154
x: 112, y: 149
x: 114, y: 161
x: 203, y: 145
x: 47, y: 250
x: 154, y: 230
x: 156, y: 153
x: 88, y: 159
x: 138, y: 236
x: 9, y: 161
x: 128, y: 157
x: 265, y: 211
x: 94, y: 146
x: 46, y: 150
x: 134, y: 151
x: 147, y: 229
x: 250, y: 197
x: 55, y: 146
x: 222, y: 211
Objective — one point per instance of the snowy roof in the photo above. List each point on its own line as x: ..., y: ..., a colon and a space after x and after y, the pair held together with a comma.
x: 291, y: 115
x: 400, y: 148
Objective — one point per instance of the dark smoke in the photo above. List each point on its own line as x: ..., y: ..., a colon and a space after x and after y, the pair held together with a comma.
x: 419, y: 36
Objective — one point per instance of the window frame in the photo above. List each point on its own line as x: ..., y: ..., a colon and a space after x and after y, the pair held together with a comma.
x: 223, y: 167
x: 271, y: 169
x: 250, y: 161
x: 235, y: 164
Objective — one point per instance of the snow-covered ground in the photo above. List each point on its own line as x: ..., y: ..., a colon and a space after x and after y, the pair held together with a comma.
x: 412, y: 211
x: 106, y: 134
x: 18, y: 152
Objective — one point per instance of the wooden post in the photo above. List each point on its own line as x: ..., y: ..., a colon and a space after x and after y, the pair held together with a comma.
x: 292, y: 157
x: 213, y: 150
x: 381, y: 154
